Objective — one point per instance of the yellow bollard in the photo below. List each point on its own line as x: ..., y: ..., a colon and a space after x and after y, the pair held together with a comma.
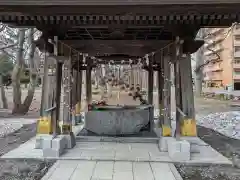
x: 66, y: 129
x: 78, y: 112
x: 160, y: 115
x: 44, y: 125
x: 189, y: 127
x: 166, y: 131
x: 78, y: 108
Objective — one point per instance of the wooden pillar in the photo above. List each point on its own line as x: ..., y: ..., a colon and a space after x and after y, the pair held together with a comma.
x: 188, y: 126
x: 45, y: 125
x: 141, y: 78
x: 160, y: 91
x: 67, y: 88
x: 74, y: 95
x: 45, y: 84
x: 190, y: 99
x: 166, y: 100
x: 150, y: 80
x: 131, y: 77
x: 56, y: 113
x: 178, y: 92
x: 184, y: 85
x: 79, y: 91
x: 68, y: 103
x: 135, y: 77
x: 88, y: 84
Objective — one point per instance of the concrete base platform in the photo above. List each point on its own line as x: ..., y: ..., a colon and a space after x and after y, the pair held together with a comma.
x: 126, y: 151
x: 111, y: 170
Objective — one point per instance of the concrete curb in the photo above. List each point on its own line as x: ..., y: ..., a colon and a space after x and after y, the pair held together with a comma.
x: 175, y: 172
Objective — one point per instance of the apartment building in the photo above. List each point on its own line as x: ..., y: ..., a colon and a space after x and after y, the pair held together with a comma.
x: 222, y: 57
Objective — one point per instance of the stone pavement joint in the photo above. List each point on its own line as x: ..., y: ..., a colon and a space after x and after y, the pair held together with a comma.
x: 114, y: 151
x: 111, y: 170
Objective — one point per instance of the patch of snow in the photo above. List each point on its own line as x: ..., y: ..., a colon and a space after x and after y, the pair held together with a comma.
x: 8, y: 128
x: 10, y: 125
x: 226, y: 123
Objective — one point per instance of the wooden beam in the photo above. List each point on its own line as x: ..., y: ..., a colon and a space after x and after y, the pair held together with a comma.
x: 120, y: 43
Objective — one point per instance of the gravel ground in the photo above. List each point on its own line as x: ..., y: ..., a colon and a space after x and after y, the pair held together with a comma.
x: 18, y: 169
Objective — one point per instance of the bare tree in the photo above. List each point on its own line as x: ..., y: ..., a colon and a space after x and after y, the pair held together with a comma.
x: 19, y: 107
x: 17, y: 44
x: 201, y: 61
x: 17, y: 94
x: 33, y: 75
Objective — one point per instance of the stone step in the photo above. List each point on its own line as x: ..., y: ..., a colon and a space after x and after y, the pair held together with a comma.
x: 116, y: 139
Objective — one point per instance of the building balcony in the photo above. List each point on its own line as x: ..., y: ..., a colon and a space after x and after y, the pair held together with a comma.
x: 213, y: 77
x: 236, y: 65
x: 236, y: 42
x: 236, y: 31
x: 236, y: 76
x: 237, y: 54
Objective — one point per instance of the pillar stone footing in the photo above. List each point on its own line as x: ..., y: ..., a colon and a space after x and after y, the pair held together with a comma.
x: 179, y: 150
x: 53, y: 147
x: 163, y: 143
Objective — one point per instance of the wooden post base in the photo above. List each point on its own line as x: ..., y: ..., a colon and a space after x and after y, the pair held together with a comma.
x: 44, y: 125
x: 166, y: 131
x: 189, y: 127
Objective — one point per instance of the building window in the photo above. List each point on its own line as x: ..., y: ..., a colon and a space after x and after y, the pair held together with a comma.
x: 237, y: 48
x: 237, y: 61
x: 237, y: 37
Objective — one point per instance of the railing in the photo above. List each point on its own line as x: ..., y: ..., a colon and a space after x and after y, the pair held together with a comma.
x: 213, y: 77
x: 236, y: 31
x: 237, y: 54
x: 236, y: 42
x: 236, y: 64
x: 236, y: 75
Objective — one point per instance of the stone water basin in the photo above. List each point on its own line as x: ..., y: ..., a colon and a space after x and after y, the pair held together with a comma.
x: 117, y: 120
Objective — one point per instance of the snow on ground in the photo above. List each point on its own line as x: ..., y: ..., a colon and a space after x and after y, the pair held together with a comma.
x: 10, y: 125
x: 226, y: 123
x: 7, y: 128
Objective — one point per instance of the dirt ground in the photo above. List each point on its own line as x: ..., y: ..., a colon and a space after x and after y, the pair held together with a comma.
x: 34, y: 169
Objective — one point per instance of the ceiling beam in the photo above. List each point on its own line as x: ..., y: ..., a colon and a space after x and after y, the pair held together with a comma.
x: 81, y: 43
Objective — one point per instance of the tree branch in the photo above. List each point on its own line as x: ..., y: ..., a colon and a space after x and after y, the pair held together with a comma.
x: 9, y: 46
x: 214, y: 52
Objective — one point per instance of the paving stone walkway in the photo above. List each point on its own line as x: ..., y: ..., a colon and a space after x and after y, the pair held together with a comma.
x: 111, y: 170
